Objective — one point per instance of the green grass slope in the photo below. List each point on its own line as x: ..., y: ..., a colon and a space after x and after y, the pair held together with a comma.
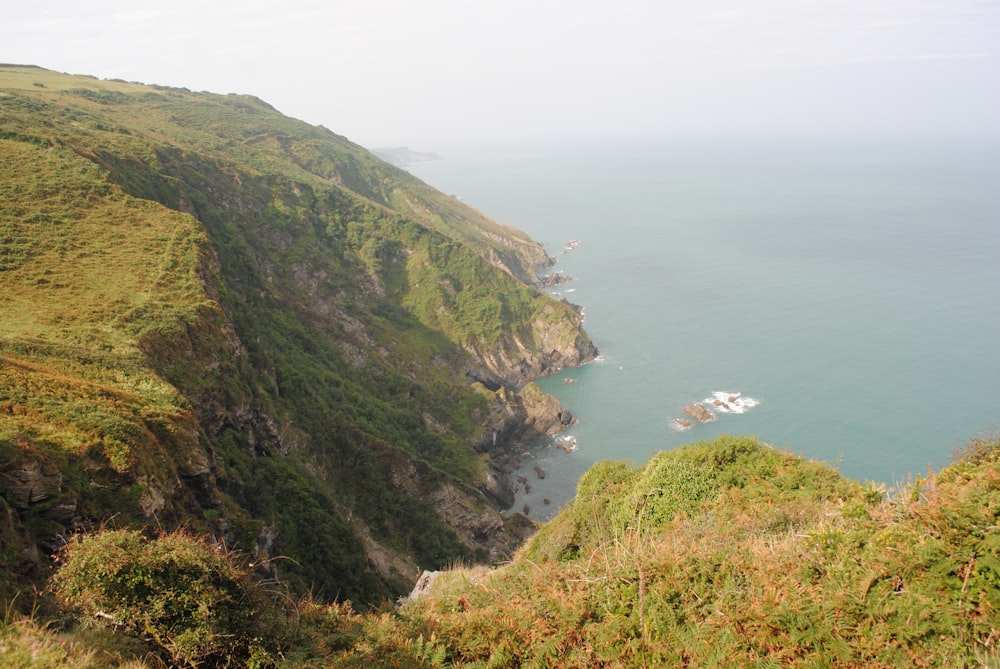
x: 727, y: 554
x: 214, y: 315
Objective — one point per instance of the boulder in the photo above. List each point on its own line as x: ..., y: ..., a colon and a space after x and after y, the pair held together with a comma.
x: 699, y: 413
x: 423, y: 584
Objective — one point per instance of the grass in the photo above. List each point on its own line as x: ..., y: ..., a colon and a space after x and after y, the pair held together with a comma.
x: 204, y: 301
x: 89, y: 266
x: 27, y: 645
x: 784, y: 563
x: 248, y: 130
x: 91, y: 273
x: 780, y: 563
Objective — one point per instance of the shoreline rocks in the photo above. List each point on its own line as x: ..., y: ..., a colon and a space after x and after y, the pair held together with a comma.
x: 708, y: 410
x: 566, y: 443
x: 699, y: 413
x: 553, y: 280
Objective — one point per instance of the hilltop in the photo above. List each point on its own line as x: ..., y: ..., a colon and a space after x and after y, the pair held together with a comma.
x: 217, y: 317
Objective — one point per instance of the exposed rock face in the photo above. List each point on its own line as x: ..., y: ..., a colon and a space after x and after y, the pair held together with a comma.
x: 423, y: 584
x: 152, y: 499
x: 516, y: 417
x: 552, y: 280
x: 28, y: 483
x: 498, y: 486
x: 553, y: 344
x: 391, y: 565
x: 481, y: 525
x: 545, y: 415
x: 519, y: 416
x: 519, y: 258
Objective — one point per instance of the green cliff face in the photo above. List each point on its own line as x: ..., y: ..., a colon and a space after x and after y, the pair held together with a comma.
x: 215, y: 315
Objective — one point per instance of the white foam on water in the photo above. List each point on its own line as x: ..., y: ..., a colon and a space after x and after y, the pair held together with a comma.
x: 730, y: 402
x: 567, y: 442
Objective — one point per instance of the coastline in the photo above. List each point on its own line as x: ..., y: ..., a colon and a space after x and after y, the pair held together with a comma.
x: 520, y: 462
x: 799, y: 274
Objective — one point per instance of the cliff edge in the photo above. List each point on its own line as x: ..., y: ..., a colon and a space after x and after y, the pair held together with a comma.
x: 220, y: 317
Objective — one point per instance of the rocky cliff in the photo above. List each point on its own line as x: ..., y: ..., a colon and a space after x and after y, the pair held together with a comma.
x: 218, y: 316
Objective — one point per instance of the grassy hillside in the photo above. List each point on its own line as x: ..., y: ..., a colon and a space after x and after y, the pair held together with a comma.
x: 217, y: 316
x: 728, y: 554
x: 725, y: 553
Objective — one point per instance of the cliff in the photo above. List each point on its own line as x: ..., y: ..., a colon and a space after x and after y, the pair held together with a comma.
x: 220, y: 317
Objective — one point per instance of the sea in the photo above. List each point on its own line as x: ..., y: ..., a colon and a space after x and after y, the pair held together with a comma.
x: 839, y: 300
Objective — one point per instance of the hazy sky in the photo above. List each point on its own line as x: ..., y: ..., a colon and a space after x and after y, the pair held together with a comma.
x: 416, y: 72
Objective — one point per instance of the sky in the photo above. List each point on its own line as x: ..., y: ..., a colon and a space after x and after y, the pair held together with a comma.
x: 421, y: 72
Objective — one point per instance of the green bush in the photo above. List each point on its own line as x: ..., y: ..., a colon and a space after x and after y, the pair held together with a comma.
x: 192, y: 600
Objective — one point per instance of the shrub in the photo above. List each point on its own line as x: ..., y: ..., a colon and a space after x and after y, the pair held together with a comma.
x: 192, y: 600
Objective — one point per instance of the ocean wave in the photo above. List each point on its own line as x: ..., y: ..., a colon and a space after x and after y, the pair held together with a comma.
x: 721, y: 401
x: 730, y: 402
x: 567, y: 442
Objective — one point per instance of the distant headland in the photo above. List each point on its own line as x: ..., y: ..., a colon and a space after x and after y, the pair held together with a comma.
x: 401, y: 156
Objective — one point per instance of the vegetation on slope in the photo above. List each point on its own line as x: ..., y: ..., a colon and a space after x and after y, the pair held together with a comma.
x: 719, y: 554
x: 216, y: 318
x: 214, y: 315
x: 729, y: 553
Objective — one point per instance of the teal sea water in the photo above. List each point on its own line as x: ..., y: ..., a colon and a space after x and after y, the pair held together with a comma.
x: 849, y: 293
